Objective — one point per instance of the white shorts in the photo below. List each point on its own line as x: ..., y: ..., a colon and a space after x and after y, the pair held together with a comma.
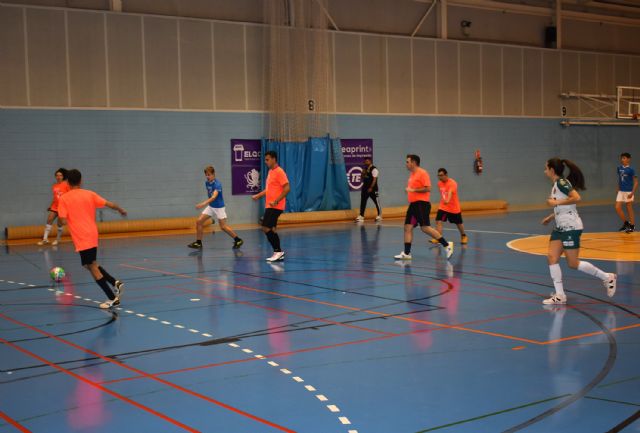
x: 217, y: 213
x: 624, y: 197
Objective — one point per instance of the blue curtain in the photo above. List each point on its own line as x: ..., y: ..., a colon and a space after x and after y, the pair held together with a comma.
x: 316, y: 172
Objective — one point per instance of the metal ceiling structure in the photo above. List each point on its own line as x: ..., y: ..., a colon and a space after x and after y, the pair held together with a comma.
x: 401, y: 17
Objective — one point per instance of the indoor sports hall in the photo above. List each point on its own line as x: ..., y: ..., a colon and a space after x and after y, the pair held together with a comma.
x: 423, y: 216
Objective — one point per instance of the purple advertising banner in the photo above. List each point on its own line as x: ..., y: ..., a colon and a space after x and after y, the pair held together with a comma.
x: 245, y: 167
x: 355, y: 150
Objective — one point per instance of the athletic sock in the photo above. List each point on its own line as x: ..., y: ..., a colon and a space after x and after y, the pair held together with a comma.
x: 47, y: 230
x: 443, y: 242
x: 106, y: 275
x: 274, y: 240
x: 277, y: 243
x: 60, y: 230
x: 556, y: 277
x: 407, y: 247
x: 102, y: 282
x: 588, y: 268
x: 237, y: 238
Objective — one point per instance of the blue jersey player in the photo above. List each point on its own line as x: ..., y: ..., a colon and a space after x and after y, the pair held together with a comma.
x: 214, y: 209
x: 627, y: 185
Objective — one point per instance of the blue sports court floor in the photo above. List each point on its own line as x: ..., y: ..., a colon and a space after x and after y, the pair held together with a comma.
x: 338, y: 338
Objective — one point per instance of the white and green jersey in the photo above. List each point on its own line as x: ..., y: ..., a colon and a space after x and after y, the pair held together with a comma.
x: 566, y: 215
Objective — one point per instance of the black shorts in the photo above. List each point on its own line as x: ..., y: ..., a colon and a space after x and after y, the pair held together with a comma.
x: 88, y: 256
x: 418, y: 213
x: 453, y: 218
x: 270, y: 218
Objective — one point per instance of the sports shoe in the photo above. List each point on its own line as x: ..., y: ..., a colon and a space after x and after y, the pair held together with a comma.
x: 359, y: 219
x: 378, y: 218
x: 110, y: 303
x: 237, y: 244
x: 276, y: 257
x: 449, y: 250
x: 464, y: 239
x: 555, y: 299
x: 630, y: 228
x: 43, y: 242
x: 624, y: 227
x: 434, y: 241
x: 119, y: 285
x: 611, y: 283
x: 196, y: 244
x: 402, y: 256
x: 54, y: 243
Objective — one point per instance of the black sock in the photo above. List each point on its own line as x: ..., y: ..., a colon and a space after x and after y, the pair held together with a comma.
x: 237, y: 238
x: 407, y: 247
x: 105, y: 274
x: 443, y: 242
x: 102, y: 282
x: 271, y: 237
x: 276, y: 239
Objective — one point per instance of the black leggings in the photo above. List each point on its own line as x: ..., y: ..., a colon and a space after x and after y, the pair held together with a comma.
x: 364, y: 196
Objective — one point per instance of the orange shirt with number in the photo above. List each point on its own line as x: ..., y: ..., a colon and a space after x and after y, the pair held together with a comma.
x: 57, y: 190
x: 418, y: 179
x: 276, y: 180
x: 78, y: 207
x: 445, y: 187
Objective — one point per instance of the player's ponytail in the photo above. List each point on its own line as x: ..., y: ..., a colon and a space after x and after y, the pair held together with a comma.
x: 575, y: 175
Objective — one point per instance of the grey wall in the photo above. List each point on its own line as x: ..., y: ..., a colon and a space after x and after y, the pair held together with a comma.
x: 140, y: 104
x: 151, y: 162
x: 67, y: 58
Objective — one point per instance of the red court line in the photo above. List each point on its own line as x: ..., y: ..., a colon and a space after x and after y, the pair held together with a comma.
x: 331, y: 304
x: 328, y: 346
x: 149, y: 376
x: 100, y: 387
x: 13, y: 422
x: 305, y: 316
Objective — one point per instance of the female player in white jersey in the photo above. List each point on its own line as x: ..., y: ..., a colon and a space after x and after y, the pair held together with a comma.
x: 566, y: 235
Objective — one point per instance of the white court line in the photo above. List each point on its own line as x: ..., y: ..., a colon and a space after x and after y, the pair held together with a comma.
x: 492, y: 232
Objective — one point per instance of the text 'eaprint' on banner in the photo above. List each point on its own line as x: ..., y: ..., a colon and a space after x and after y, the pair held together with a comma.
x: 355, y: 150
x: 245, y: 167
x: 246, y: 163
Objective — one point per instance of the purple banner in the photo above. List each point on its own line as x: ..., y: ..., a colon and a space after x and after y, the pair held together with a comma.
x: 245, y: 167
x: 355, y: 150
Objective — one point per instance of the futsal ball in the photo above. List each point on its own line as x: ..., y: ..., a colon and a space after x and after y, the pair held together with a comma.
x: 57, y: 274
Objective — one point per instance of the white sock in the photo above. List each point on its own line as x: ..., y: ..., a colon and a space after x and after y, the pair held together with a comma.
x: 556, y: 277
x: 588, y: 268
x: 47, y: 230
x: 60, y: 230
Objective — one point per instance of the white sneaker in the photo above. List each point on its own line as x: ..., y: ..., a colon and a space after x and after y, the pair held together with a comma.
x: 43, y: 242
x: 378, y: 218
x: 110, y: 303
x: 449, y: 250
x: 611, y: 283
x: 359, y: 219
x: 54, y: 243
x: 119, y: 288
x: 555, y: 299
x: 402, y: 256
x: 276, y: 257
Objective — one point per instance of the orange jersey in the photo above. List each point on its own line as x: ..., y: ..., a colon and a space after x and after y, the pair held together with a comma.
x: 418, y: 179
x: 454, y: 204
x: 276, y: 180
x: 57, y: 190
x: 79, y: 206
